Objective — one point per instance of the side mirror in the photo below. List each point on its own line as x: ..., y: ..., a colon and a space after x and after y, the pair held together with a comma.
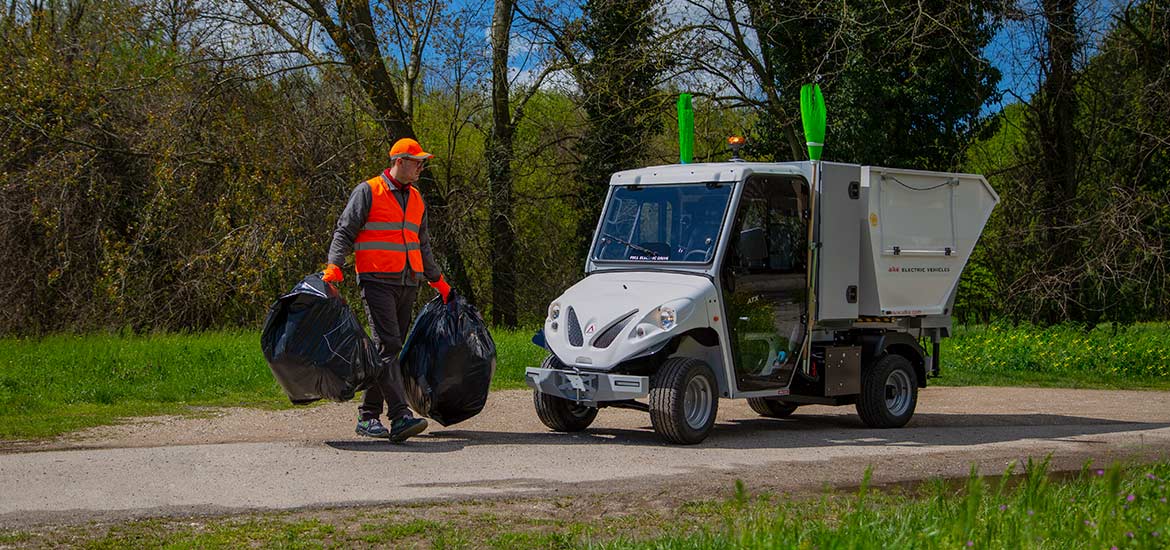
x: 753, y: 247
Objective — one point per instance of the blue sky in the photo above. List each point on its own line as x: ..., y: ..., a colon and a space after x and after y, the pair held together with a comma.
x: 1014, y: 48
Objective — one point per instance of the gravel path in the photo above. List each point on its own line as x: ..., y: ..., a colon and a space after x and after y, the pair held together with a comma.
x: 244, y: 459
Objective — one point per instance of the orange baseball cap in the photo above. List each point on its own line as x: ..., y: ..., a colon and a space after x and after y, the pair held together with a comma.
x: 408, y: 148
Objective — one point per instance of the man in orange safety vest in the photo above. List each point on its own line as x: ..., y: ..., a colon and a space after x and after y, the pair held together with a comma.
x: 385, y: 226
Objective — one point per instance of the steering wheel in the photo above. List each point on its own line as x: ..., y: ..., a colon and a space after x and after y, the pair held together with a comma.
x: 660, y: 249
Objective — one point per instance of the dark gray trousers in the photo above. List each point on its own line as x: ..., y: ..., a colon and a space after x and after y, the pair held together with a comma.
x: 388, y: 306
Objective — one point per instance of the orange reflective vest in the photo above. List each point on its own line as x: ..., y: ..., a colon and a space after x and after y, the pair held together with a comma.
x: 388, y: 242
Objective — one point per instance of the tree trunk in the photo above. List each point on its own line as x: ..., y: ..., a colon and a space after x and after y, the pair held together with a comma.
x: 1056, y: 113
x: 502, y: 234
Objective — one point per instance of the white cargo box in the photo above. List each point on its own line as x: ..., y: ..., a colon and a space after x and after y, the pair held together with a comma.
x: 919, y: 231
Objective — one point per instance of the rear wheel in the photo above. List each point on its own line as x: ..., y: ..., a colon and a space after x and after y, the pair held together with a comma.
x: 683, y: 400
x: 771, y: 407
x: 889, y: 393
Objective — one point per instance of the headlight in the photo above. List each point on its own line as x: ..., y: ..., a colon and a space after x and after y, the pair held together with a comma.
x: 554, y: 311
x: 666, y: 317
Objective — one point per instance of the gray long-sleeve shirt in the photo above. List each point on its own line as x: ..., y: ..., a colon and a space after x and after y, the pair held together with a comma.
x: 356, y: 212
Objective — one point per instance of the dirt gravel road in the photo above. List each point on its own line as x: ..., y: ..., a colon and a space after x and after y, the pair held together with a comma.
x: 244, y: 460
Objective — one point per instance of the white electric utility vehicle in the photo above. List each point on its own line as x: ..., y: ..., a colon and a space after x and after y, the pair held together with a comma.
x: 700, y: 279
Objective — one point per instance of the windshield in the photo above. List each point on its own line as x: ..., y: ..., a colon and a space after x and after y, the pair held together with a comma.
x: 662, y: 223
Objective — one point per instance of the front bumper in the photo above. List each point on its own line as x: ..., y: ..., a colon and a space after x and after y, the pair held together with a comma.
x: 588, y: 388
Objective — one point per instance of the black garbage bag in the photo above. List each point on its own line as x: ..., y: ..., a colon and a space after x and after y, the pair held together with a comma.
x: 315, y: 346
x: 448, y: 361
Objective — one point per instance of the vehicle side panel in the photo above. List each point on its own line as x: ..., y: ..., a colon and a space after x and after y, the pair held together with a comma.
x: 840, y: 219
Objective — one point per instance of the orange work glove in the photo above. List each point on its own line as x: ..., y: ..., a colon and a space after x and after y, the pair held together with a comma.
x: 443, y: 288
x: 333, y: 274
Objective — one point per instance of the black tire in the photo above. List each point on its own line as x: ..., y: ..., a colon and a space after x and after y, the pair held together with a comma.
x: 560, y: 414
x: 889, y: 393
x: 674, y: 417
x: 771, y: 407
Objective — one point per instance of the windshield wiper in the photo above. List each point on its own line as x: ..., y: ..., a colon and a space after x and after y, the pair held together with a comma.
x: 630, y: 244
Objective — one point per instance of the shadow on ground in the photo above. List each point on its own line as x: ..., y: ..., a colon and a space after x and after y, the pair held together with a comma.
x: 930, y: 430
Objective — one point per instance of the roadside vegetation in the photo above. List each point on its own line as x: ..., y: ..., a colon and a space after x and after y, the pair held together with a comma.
x: 58, y: 384
x: 150, y: 179
x: 1026, y: 507
x: 1122, y: 357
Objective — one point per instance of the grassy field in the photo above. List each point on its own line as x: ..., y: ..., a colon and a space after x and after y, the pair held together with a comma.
x: 1136, y: 356
x: 58, y: 384
x: 62, y: 383
x: 1025, y: 508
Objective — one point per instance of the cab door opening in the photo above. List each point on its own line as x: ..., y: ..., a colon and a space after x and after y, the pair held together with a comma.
x: 764, y: 280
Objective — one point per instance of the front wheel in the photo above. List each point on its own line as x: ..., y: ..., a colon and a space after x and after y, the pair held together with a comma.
x: 561, y: 415
x: 889, y: 393
x: 683, y: 400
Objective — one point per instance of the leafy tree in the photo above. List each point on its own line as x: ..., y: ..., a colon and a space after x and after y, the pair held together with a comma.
x: 912, y: 86
x: 1081, y: 233
x: 906, y: 82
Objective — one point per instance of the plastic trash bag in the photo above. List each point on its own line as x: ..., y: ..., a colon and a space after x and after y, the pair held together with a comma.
x: 448, y: 361
x: 315, y: 346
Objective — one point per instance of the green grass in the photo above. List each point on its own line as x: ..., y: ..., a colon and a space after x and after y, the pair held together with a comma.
x: 1136, y: 356
x: 59, y: 384
x: 1025, y: 508
x: 1099, y: 509
x: 268, y: 532
x: 515, y: 352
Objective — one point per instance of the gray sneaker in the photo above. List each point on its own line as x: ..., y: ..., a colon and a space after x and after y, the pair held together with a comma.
x: 372, y: 428
x: 407, y: 426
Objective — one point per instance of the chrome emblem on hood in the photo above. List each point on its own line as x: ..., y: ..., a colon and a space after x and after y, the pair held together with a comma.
x: 590, y: 329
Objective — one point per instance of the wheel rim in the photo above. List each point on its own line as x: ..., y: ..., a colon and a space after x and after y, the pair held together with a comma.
x: 697, y: 402
x: 579, y: 411
x: 898, y: 390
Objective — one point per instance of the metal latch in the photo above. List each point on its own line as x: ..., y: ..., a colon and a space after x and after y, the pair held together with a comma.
x: 851, y: 294
x: 897, y: 250
x: 576, y: 382
x: 855, y: 190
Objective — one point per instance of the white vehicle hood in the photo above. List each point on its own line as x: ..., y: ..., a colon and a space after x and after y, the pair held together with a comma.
x: 598, y: 301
